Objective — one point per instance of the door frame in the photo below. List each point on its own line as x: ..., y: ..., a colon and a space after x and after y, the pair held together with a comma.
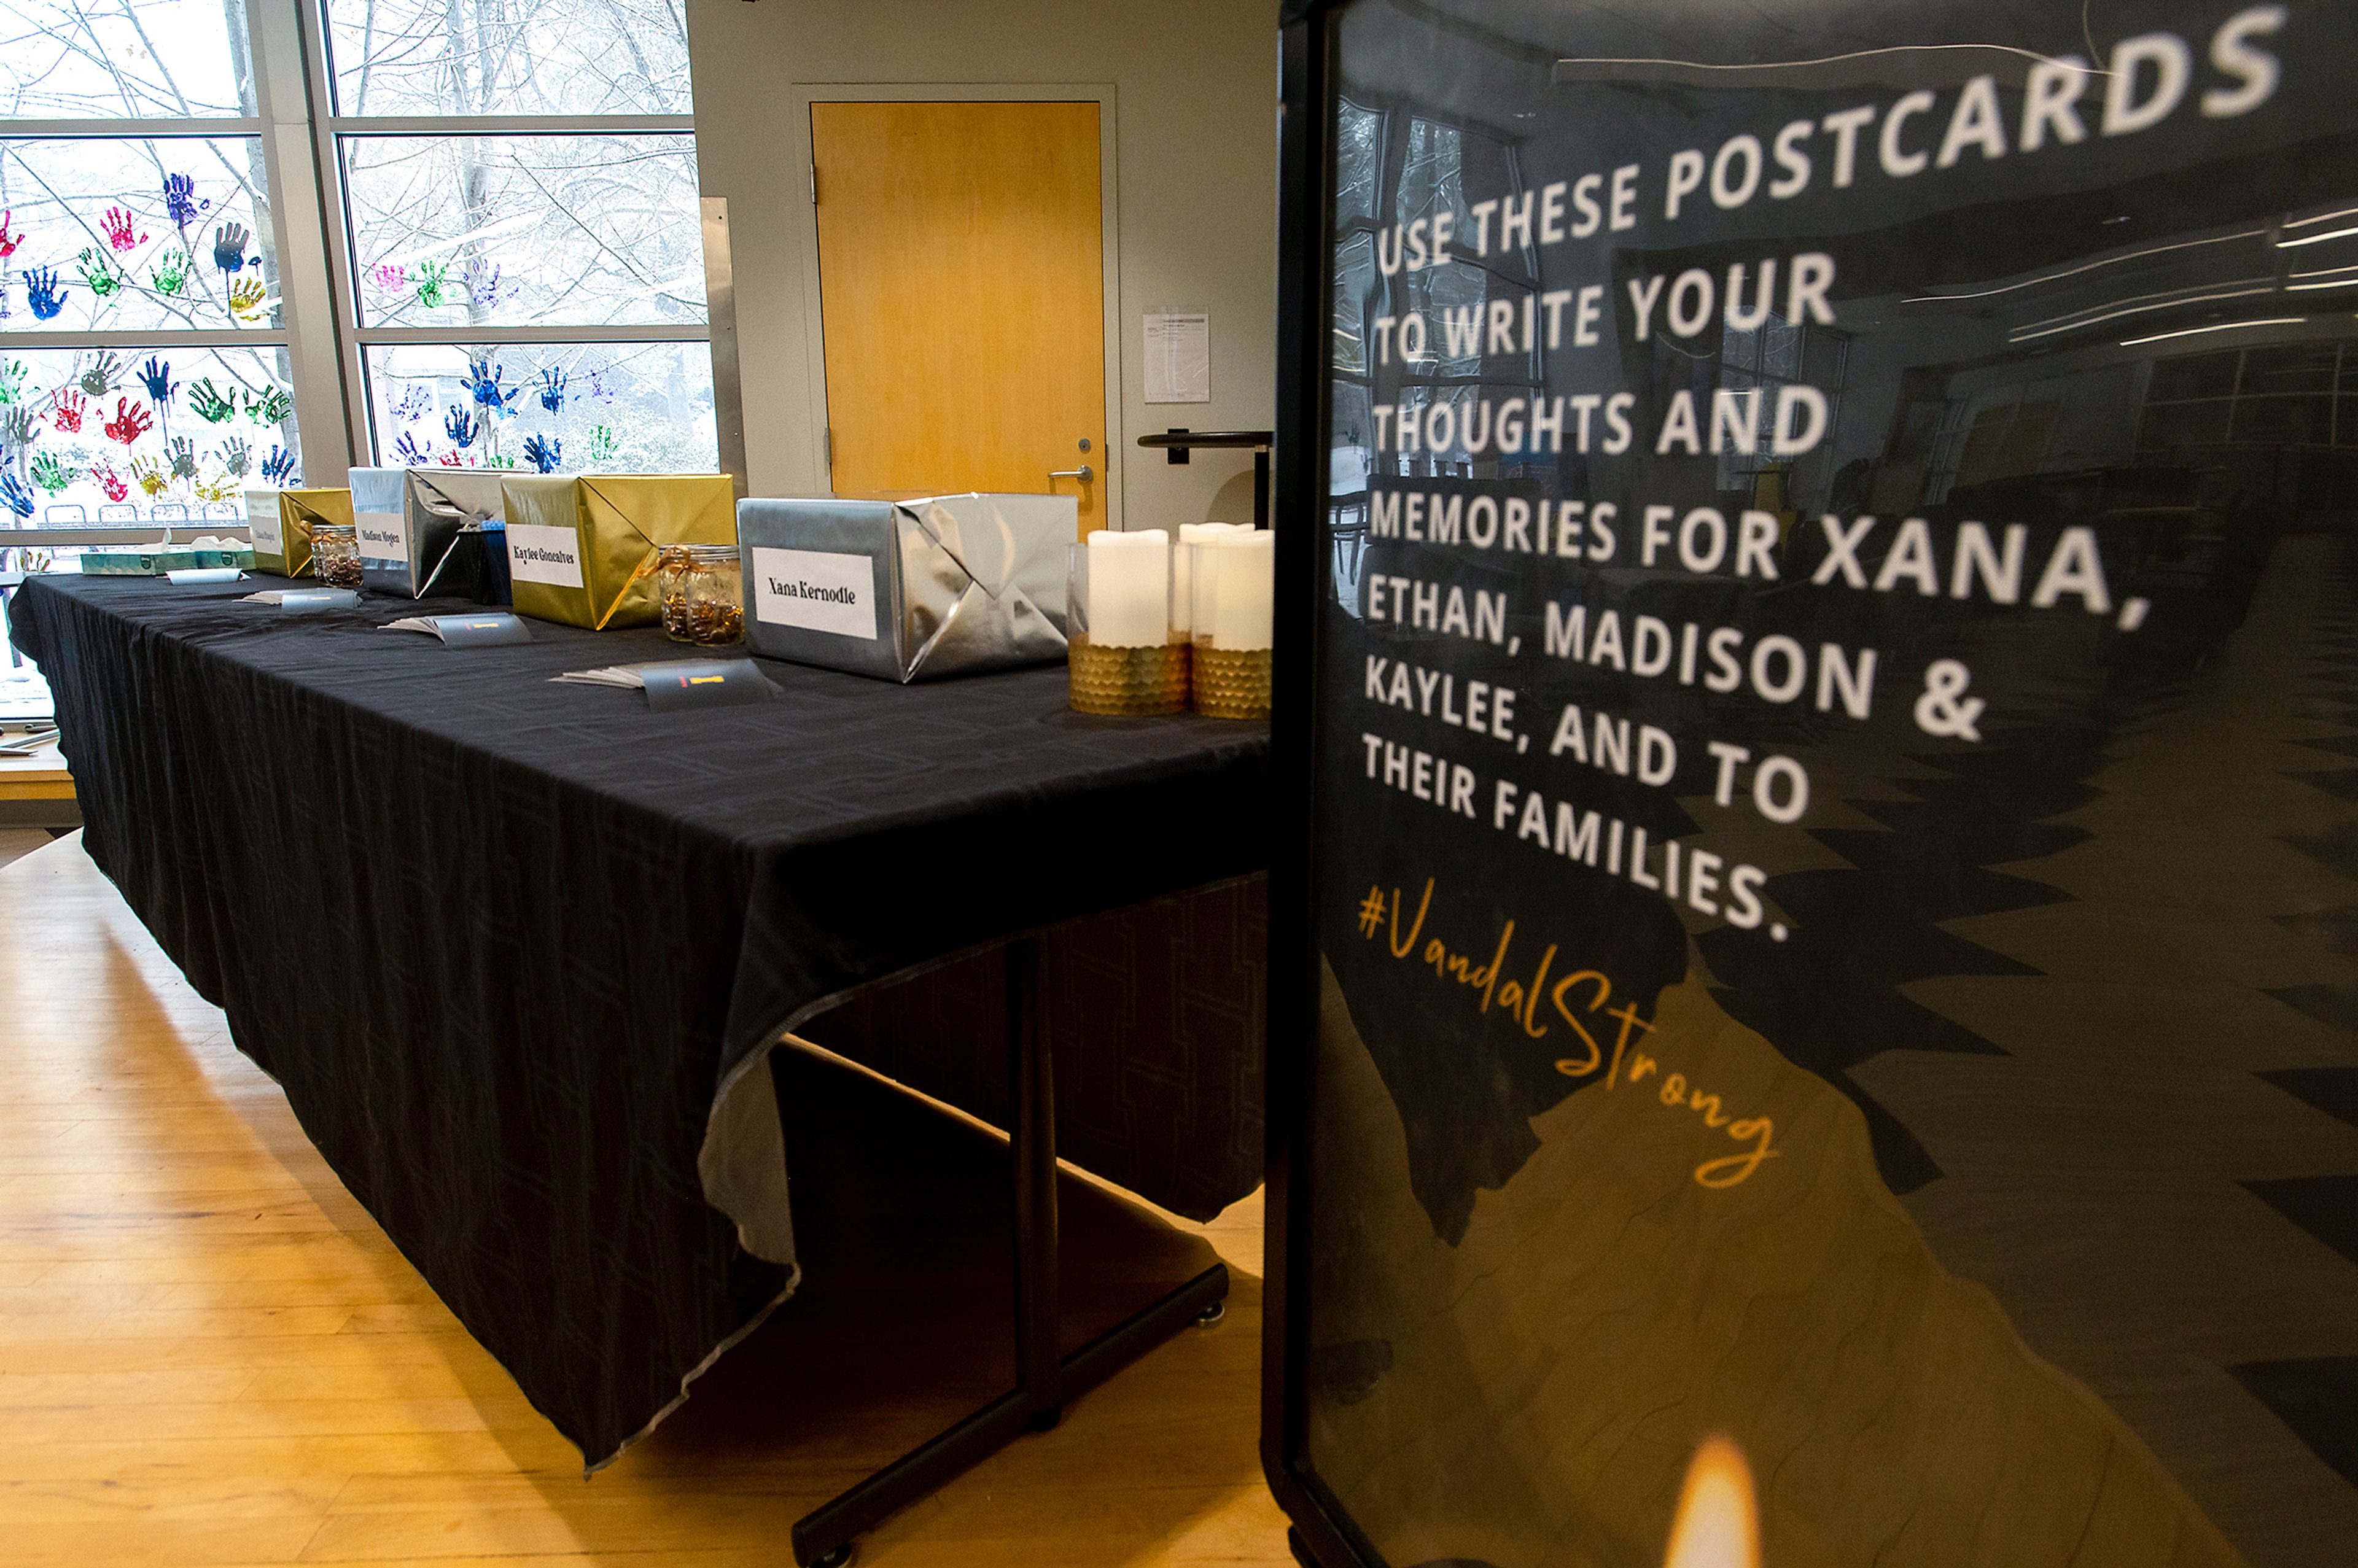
x: 1111, y: 468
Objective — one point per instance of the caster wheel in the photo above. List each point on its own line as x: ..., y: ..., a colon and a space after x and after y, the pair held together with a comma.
x: 840, y: 1558
x: 1211, y: 1315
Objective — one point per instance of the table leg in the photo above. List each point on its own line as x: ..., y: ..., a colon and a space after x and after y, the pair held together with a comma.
x: 1031, y: 1095
x: 1043, y: 1380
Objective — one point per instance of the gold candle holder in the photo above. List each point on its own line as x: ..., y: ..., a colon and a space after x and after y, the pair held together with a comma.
x: 1129, y: 680
x: 1232, y: 682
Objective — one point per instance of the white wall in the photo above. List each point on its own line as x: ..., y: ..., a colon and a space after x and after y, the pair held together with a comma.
x: 1195, y: 113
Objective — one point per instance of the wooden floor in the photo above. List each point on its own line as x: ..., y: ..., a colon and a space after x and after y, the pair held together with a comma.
x: 211, y: 1355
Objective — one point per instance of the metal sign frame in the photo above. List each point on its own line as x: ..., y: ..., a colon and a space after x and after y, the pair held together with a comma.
x: 1322, y: 1534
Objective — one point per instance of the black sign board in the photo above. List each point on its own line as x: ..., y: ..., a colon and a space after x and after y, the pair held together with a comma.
x: 1815, y: 1017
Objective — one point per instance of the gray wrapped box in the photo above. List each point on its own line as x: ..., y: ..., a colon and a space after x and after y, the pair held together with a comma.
x: 905, y: 590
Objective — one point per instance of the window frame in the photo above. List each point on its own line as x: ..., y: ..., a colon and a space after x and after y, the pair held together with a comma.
x: 303, y: 330
x: 319, y: 328
x: 331, y: 129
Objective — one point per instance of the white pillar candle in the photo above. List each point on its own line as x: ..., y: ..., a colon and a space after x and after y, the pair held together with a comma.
x: 1241, y: 589
x: 1183, y: 570
x: 1130, y: 589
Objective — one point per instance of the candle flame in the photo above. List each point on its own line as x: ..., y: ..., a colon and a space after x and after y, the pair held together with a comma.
x: 1717, y: 1524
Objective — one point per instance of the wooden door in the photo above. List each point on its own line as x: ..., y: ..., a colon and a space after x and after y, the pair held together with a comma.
x: 962, y: 286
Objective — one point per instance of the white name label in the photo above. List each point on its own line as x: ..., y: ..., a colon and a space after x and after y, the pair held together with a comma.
x: 541, y: 554
x: 262, y: 519
x: 815, y: 590
x: 385, y: 537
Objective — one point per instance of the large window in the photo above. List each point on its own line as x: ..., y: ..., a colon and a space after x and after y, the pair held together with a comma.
x: 509, y: 272
x: 144, y: 361
x: 523, y: 247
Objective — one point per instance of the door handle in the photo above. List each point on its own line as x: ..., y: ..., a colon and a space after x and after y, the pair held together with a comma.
x: 1084, y: 474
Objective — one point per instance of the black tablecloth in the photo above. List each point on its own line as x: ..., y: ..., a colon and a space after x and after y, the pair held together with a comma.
x: 504, y: 941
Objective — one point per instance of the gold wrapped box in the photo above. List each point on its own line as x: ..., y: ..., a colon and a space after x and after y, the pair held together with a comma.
x: 582, y: 550
x: 281, y: 520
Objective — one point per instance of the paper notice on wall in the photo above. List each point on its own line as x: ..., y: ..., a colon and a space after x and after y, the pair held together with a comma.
x: 1179, y: 358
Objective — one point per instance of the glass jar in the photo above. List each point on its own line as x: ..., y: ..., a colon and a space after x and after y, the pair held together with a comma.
x: 336, y: 554
x: 671, y: 589
x: 716, y: 595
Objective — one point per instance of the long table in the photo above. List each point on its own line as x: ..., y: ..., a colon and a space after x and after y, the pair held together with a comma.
x: 517, y: 950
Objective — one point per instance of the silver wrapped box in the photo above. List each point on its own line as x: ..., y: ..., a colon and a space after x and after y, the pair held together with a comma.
x: 383, y: 531
x: 905, y: 590
x: 408, y: 519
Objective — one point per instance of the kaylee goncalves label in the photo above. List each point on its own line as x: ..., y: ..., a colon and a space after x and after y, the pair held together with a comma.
x: 383, y: 536
x: 815, y: 590
x: 539, y: 553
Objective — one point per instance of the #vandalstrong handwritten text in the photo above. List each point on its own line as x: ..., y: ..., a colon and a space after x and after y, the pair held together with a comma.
x: 1624, y: 1065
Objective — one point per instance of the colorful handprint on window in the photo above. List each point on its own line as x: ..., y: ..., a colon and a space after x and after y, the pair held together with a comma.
x: 131, y: 421
x: 484, y: 289
x: 42, y: 293
x: 170, y: 274
x: 156, y: 376
x: 229, y: 247
x: 209, y: 405
x: 98, y: 270
x: 53, y: 475
x: 486, y: 383
x: 180, y: 203
x: 121, y: 230
x: 98, y: 378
